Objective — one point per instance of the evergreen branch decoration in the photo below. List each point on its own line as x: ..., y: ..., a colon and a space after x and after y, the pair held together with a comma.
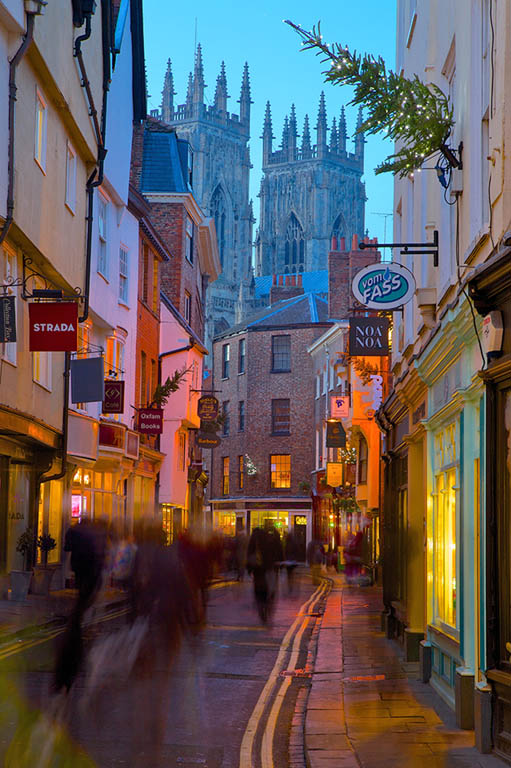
x: 163, y: 391
x: 405, y: 109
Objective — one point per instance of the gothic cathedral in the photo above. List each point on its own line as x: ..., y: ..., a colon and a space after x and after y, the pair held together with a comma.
x: 221, y: 168
x: 309, y: 194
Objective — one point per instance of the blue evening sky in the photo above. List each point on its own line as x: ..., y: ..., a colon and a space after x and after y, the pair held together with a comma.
x: 240, y: 31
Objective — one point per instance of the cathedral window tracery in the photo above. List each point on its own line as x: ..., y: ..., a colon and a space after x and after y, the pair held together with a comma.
x: 219, y: 213
x: 294, y: 250
x: 339, y: 228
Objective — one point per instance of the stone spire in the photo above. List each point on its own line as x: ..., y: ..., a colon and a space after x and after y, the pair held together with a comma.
x: 189, y: 92
x: 285, y: 134
x: 359, y: 137
x: 306, y: 138
x: 293, y: 134
x: 221, y: 94
x: 341, y: 139
x: 333, y: 136
x: 267, y: 136
x: 245, y: 100
x: 321, y: 126
x: 198, y: 78
x: 167, y: 95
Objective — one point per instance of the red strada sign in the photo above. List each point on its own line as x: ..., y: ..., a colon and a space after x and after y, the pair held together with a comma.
x: 53, y: 327
x: 150, y: 421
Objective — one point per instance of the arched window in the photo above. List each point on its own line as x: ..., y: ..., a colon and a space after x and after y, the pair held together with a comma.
x: 294, y: 251
x: 218, y: 212
x: 339, y: 228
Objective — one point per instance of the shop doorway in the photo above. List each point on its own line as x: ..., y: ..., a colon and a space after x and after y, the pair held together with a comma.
x: 300, y: 534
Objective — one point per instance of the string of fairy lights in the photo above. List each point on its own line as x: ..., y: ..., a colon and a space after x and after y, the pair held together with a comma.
x: 407, y: 110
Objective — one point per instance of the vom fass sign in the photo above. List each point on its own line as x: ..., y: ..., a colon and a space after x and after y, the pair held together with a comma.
x: 383, y: 286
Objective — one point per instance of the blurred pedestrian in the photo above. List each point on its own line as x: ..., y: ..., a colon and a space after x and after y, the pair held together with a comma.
x: 241, y: 555
x: 353, y: 557
x: 262, y: 557
x: 290, y: 559
x: 315, y: 554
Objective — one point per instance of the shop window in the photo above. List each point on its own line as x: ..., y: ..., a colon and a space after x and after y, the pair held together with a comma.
x: 280, y: 417
x: 241, y: 472
x: 444, y: 556
x: 281, y: 353
x: 362, y: 460
x: 225, y: 475
x: 226, y: 353
x: 241, y: 416
x: 280, y: 471
x: 241, y: 356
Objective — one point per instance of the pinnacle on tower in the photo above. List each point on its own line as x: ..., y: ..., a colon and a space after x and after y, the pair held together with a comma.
x: 245, y: 100
x: 342, y: 134
x: 221, y: 94
x: 267, y: 136
x: 306, y: 138
x: 198, y: 77
x: 359, y: 137
x: 292, y: 134
x: 321, y: 126
x: 285, y: 133
x: 167, y: 94
x: 189, y: 92
x: 333, y: 136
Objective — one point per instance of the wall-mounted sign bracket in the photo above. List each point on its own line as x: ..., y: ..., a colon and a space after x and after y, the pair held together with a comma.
x: 31, y: 290
x: 411, y: 249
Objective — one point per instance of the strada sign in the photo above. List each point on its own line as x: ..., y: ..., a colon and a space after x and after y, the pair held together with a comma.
x: 383, y: 286
x: 53, y: 327
x: 150, y: 421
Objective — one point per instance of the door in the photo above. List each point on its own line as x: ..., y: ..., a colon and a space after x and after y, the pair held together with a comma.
x: 300, y: 533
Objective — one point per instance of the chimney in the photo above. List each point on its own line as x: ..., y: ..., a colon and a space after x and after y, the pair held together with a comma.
x: 342, y: 246
x: 334, y: 244
x: 342, y: 267
x: 286, y: 289
x: 354, y: 243
x: 274, y: 280
x: 300, y: 281
x: 281, y: 279
x: 293, y: 279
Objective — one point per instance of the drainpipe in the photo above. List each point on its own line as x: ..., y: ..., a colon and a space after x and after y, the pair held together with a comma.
x: 27, y: 40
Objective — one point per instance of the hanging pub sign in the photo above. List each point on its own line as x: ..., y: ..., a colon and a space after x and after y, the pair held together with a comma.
x: 369, y: 336
x: 113, y: 401
x: 150, y: 421
x: 335, y: 435
x: 53, y: 326
x: 334, y: 473
x: 383, y: 286
x: 207, y: 440
x: 207, y: 408
x: 339, y: 407
x: 7, y: 319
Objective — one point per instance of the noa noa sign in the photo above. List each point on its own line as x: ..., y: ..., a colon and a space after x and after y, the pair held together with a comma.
x: 383, y: 286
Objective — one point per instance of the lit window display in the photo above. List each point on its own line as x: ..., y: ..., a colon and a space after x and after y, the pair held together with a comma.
x: 444, y: 528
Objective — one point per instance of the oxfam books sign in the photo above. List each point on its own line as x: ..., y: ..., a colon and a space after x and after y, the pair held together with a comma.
x: 383, y: 286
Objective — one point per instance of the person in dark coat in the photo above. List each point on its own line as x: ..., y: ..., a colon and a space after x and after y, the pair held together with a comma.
x: 263, y: 553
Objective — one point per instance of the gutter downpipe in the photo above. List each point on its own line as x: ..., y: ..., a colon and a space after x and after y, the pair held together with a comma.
x: 27, y: 40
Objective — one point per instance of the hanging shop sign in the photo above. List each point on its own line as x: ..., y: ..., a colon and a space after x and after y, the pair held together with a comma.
x: 87, y: 380
x: 113, y: 401
x: 150, y: 421
x: 335, y: 435
x: 207, y: 408
x: 53, y: 326
x: 493, y: 332
x: 369, y: 336
x: 339, y: 407
x: 208, y: 440
x: 7, y: 319
x: 112, y: 435
x: 334, y: 473
x: 383, y: 286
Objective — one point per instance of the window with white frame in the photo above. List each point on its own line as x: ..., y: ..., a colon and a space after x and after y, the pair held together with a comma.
x: 41, y: 369
x: 70, y: 178
x: 189, y: 240
x: 102, y: 235
x: 114, y: 360
x: 10, y: 274
x: 123, y: 274
x: 41, y: 120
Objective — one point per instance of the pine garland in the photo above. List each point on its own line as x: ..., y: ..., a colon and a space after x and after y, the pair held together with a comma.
x: 407, y: 110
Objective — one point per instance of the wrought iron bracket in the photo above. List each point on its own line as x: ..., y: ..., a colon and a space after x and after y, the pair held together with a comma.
x: 411, y: 249
x: 28, y: 285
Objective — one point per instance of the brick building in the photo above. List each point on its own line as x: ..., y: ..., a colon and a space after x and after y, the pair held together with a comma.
x: 263, y: 378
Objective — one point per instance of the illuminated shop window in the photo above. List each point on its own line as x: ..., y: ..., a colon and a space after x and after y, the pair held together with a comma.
x: 444, y: 528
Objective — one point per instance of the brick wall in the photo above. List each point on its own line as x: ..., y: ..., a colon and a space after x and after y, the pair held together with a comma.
x: 343, y: 265
x: 258, y: 386
x: 148, y: 324
x: 285, y: 287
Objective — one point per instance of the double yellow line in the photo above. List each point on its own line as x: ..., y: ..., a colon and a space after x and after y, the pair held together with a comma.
x: 292, y: 640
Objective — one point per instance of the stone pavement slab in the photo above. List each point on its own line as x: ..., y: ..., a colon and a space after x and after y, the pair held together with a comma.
x: 366, y: 707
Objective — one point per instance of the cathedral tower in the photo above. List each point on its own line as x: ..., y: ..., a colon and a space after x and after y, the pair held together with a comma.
x: 221, y: 167
x: 309, y: 194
